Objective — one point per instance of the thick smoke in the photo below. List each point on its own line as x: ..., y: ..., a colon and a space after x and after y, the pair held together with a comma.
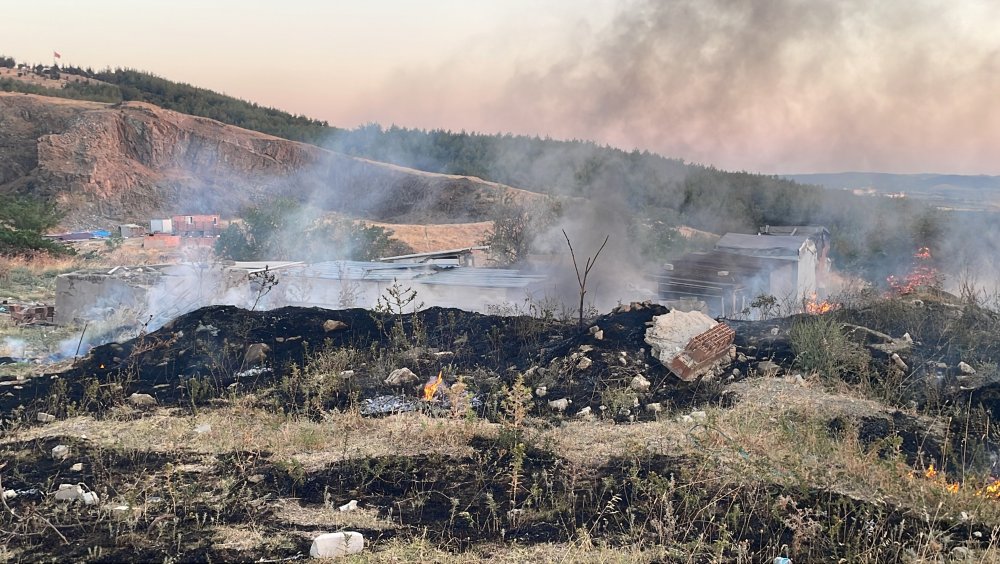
x: 776, y: 86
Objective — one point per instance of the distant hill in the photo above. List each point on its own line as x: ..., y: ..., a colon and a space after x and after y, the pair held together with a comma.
x: 950, y: 191
x: 130, y: 161
x: 140, y: 150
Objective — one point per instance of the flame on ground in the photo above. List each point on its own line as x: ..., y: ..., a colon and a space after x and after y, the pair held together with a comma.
x: 922, y: 275
x: 815, y: 307
x: 430, y: 388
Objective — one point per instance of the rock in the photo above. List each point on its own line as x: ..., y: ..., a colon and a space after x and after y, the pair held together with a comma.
x: 768, y: 368
x: 210, y: 329
x: 594, y: 329
x: 256, y: 478
x: 908, y: 338
x: 965, y: 368
x: 141, y: 400
x: 335, y: 545
x: 584, y: 363
x: 899, y: 362
x: 732, y: 352
x: 961, y: 554
x: 654, y: 407
x: 541, y: 391
x: 599, y: 335
x: 120, y: 511
x: 333, y: 325
x: 685, y: 419
x: 256, y: 354
x: 560, y: 404
x: 639, y: 384
x: 736, y: 372
x: 347, y: 374
x: 349, y: 506
x: 73, y: 492
x: 689, y: 344
x: 585, y: 348
x: 43, y: 417
x: 401, y: 377
x: 78, y: 467
x: 203, y: 428
x: 60, y: 452
x: 699, y: 415
x: 584, y: 413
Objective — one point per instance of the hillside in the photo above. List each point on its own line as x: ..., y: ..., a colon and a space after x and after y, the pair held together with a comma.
x: 952, y: 191
x: 132, y: 160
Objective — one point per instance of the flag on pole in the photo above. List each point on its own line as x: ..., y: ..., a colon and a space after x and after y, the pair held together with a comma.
x: 56, y: 54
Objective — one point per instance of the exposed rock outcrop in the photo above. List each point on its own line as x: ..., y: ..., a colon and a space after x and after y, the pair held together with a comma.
x: 133, y: 160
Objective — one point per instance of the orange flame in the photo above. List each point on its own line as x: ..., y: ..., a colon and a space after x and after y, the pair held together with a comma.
x: 816, y: 307
x: 430, y: 388
x: 923, y: 274
x: 931, y: 472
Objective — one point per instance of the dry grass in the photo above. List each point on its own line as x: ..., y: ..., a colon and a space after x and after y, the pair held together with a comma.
x: 339, y: 436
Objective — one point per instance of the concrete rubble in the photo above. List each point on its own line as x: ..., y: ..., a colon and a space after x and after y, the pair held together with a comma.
x: 689, y: 344
x: 336, y: 545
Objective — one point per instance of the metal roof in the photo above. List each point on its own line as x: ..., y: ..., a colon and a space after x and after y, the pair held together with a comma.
x: 422, y: 273
x: 762, y: 245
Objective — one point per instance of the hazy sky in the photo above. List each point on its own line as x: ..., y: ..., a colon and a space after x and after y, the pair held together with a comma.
x: 762, y: 85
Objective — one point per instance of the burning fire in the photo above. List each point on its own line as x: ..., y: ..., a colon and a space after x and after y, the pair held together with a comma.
x: 816, y: 307
x: 430, y: 388
x: 922, y: 275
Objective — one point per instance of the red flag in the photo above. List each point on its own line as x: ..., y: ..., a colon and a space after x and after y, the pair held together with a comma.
x: 56, y: 54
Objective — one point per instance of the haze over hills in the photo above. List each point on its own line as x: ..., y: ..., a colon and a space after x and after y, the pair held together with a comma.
x: 131, y: 144
x: 132, y: 160
x: 951, y: 191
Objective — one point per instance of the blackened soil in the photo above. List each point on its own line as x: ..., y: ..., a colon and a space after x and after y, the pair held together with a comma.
x: 204, y: 354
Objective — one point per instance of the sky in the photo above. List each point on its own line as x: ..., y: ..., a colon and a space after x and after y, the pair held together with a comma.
x: 772, y: 86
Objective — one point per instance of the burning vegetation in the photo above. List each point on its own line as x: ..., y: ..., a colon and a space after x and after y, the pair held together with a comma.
x: 923, y: 275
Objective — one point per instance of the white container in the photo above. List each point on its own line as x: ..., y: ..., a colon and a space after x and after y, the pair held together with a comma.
x: 335, y: 545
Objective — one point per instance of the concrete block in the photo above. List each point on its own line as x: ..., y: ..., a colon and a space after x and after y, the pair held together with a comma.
x: 336, y: 545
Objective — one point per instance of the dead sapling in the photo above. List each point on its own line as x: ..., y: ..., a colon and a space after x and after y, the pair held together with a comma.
x: 263, y: 281
x: 581, y: 278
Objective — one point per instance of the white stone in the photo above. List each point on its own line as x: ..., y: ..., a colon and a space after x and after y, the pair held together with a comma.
x: 203, y: 428
x: 699, y: 415
x: 899, y: 362
x: 654, y: 407
x: 599, y: 335
x: 43, y: 417
x: 401, y: 377
x: 685, y: 419
x: 141, y: 400
x: 336, y: 545
x: 965, y: 368
x: 640, y: 384
x: 594, y: 329
x: 9, y: 494
x: 585, y: 412
x: 560, y: 404
x: 349, y: 506
x: 541, y: 391
x: 908, y: 338
x: 60, y: 452
x: 584, y: 363
x: 78, y: 467
x: 68, y: 492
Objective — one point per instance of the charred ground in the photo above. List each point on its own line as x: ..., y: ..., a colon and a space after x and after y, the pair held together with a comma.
x: 260, y: 424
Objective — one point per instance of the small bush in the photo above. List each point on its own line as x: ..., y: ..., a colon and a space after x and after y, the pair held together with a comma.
x: 821, y: 347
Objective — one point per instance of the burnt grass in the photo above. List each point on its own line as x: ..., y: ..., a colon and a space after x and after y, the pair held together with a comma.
x: 633, y: 499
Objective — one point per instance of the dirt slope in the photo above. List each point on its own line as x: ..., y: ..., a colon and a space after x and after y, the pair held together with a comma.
x: 132, y: 160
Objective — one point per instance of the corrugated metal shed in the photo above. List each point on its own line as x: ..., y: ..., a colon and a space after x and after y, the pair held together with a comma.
x: 763, y: 245
x: 423, y: 273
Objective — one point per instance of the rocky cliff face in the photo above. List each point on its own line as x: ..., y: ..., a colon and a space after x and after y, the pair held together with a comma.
x: 133, y: 160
